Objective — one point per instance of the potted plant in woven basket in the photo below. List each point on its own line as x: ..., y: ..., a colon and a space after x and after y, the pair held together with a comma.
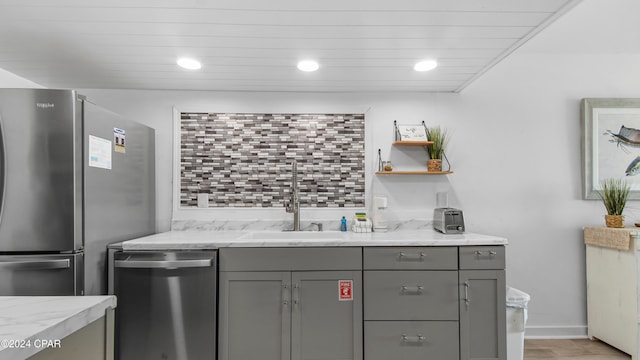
x: 440, y: 139
x: 614, y: 195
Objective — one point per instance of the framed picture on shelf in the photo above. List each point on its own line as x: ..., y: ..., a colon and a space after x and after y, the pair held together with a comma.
x: 412, y: 133
x: 610, y: 144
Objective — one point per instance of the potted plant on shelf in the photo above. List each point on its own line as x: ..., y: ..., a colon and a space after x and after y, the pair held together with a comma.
x: 440, y: 138
x: 614, y: 195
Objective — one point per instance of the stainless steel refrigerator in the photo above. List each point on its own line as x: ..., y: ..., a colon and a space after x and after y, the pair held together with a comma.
x: 74, y: 177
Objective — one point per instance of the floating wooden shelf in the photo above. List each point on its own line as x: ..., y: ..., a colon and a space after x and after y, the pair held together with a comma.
x: 421, y: 143
x: 412, y: 143
x: 422, y: 172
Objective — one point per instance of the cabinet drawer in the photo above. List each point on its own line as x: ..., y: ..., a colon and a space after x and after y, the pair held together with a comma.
x: 410, y: 295
x: 482, y: 257
x: 411, y: 258
x: 409, y: 340
x: 290, y: 259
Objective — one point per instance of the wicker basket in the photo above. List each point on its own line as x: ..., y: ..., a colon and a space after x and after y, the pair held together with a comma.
x: 434, y: 165
x: 614, y: 221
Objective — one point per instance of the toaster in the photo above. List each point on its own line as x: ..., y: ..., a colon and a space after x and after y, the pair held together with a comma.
x: 448, y: 220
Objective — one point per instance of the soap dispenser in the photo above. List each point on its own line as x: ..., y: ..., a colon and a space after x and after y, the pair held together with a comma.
x: 379, y: 214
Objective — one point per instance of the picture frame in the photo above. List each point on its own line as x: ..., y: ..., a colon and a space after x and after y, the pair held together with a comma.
x: 610, y: 130
x: 412, y: 133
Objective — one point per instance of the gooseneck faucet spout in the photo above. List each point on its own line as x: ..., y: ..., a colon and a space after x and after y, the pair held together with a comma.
x: 294, y: 200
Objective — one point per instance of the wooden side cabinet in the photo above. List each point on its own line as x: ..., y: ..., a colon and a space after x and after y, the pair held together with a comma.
x: 482, y: 303
x: 613, y: 287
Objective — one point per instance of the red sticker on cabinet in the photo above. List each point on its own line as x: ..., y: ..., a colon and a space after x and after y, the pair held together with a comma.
x: 346, y: 290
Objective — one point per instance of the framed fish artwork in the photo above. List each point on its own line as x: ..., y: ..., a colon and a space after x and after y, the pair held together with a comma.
x: 610, y: 143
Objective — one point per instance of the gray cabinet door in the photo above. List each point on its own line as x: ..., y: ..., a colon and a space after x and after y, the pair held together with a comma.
x: 411, y: 295
x: 482, y: 315
x: 326, y: 315
x: 411, y: 340
x: 254, y: 316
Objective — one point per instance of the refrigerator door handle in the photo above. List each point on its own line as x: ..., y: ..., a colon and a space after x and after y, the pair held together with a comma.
x: 3, y: 168
x: 35, y: 264
x: 162, y: 264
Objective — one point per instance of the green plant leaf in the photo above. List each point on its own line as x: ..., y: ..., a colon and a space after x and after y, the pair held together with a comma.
x: 440, y: 138
x: 614, y: 195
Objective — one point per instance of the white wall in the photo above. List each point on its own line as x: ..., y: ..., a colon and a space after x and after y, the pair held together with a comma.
x: 515, y: 151
x: 10, y: 80
x: 154, y: 108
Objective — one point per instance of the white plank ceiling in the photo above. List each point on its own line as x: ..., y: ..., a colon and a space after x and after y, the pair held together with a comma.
x: 254, y: 45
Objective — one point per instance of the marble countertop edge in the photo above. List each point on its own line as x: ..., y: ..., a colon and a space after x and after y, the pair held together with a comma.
x: 25, y: 319
x: 202, y: 239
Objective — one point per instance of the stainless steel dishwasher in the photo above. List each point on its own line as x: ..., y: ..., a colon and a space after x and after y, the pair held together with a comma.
x: 166, y: 304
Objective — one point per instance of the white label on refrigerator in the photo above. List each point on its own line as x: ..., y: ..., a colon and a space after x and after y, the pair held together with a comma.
x: 99, y: 152
x: 118, y: 140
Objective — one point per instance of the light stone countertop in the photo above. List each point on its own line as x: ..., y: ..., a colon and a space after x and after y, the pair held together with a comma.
x: 28, y: 323
x: 179, y: 240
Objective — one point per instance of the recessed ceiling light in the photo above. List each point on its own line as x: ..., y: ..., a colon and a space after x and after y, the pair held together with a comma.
x: 425, y: 65
x: 189, y: 63
x: 308, y: 65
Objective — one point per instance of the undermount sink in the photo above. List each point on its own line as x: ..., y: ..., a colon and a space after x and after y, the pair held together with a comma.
x: 295, y: 235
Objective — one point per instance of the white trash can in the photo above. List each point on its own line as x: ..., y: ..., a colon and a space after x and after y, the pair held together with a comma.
x: 517, y: 303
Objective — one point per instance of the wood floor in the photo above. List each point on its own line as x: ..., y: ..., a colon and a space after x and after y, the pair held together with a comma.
x: 571, y: 349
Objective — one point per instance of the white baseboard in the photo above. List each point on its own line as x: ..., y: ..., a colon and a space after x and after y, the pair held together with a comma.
x: 555, y: 332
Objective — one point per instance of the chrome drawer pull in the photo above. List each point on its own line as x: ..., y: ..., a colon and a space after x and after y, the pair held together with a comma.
x: 412, y: 289
x: 488, y: 253
x: 412, y: 339
x: 419, y: 257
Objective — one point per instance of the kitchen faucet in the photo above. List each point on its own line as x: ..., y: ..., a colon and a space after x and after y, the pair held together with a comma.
x: 294, y: 200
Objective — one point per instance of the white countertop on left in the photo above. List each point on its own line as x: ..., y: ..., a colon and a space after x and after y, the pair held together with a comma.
x: 184, y: 240
x: 29, y: 323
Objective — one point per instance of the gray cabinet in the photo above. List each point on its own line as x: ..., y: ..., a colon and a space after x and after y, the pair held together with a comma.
x: 322, y: 325
x: 401, y: 303
x: 411, y: 340
x: 482, y: 303
x: 254, y: 315
x: 410, y: 295
x: 295, y: 303
x: 434, y: 303
x: 411, y: 303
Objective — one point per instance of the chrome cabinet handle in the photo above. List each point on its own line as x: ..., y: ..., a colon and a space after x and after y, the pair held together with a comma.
x: 285, y: 294
x: 466, y: 294
x: 296, y: 294
x: 162, y: 264
x: 488, y: 253
x: 412, y: 339
x: 417, y: 290
x: 411, y: 257
x: 36, y: 264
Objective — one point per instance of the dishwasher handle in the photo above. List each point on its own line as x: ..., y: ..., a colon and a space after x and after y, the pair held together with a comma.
x: 163, y: 264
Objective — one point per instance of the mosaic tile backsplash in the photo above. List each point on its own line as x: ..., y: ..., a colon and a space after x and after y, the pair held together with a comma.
x: 244, y: 160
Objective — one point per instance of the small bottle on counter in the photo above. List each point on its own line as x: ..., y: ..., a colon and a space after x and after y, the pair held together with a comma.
x: 343, y: 224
